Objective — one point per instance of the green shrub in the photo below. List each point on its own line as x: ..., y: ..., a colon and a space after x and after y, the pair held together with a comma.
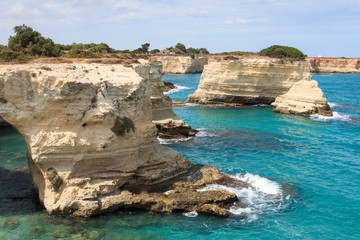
x: 278, y: 51
x: 77, y: 53
x: 231, y: 58
x: 11, y: 56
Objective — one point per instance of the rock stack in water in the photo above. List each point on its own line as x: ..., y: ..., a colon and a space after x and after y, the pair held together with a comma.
x: 304, y: 98
x: 91, y: 141
x: 260, y: 81
x: 168, y: 123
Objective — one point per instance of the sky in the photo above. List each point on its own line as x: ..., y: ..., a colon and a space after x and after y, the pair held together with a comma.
x: 330, y: 28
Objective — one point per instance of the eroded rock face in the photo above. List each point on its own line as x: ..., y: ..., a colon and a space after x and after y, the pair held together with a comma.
x: 304, y: 98
x: 181, y: 64
x: 334, y: 65
x: 169, y: 125
x: 88, y: 130
x: 248, y: 81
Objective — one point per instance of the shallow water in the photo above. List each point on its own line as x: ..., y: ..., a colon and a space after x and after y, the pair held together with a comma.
x: 311, y: 164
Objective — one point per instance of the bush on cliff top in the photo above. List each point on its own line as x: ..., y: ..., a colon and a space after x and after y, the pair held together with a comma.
x: 77, y: 53
x: 13, y: 56
x: 278, y: 51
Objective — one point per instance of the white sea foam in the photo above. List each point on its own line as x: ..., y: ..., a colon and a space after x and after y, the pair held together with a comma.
x: 336, y: 116
x: 260, y: 183
x: 173, y: 140
x: 177, y: 89
x: 191, y: 214
x: 261, y: 196
x: 333, y: 104
x: 203, y: 133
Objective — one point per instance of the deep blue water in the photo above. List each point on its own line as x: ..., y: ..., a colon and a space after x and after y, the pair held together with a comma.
x: 314, y: 161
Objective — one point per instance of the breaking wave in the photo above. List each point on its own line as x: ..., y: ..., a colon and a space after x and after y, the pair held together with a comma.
x: 177, y: 89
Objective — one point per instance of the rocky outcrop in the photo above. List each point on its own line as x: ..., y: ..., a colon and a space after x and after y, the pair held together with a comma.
x: 169, y: 125
x: 92, y: 145
x: 168, y: 86
x: 248, y: 81
x: 88, y: 132
x: 181, y: 64
x: 304, y: 98
x: 334, y: 65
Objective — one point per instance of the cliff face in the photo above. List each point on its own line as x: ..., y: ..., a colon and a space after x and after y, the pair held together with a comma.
x: 248, y: 81
x: 181, y: 64
x: 169, y: 125
x: 303, y: 98
x: 92, y: 145
x: 88, y: 132
x: 334, y: 65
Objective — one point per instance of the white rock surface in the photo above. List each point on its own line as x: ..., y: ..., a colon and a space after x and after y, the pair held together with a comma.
x: 181, y: 64
x: 303, y: 98
x: 88, y: 130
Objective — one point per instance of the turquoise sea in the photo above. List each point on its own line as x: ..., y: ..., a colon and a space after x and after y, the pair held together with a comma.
x: 311, y: 163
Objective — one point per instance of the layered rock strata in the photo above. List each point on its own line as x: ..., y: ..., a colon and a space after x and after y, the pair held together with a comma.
x: 169, y: 125
x: 334, y: 65
x: 181, y: 64
x: 304, y: 98
x: 88, y: 131
x: 248, y: 81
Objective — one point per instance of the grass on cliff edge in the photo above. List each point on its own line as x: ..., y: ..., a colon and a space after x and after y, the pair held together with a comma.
x: 14, y: 56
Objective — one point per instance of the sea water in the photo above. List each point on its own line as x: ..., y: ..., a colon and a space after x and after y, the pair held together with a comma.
x: 305, y: 173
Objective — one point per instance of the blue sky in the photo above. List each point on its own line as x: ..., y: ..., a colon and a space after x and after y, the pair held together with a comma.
x: 317, y: 27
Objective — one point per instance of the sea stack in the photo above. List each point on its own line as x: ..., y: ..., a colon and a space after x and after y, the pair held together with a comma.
x: 92, y: 145
x: 257, y: 80
x: 304, y: 98
x: 169, y: 125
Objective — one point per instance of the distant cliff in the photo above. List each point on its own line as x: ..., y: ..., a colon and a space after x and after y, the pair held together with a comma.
x: 181, y: 64
x: 249, y: 81
x: 334, y: 65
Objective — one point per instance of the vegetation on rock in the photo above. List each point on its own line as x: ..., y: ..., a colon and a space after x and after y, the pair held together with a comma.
x: 77, y: 53
x: 278, y: 51
x: 30, y: 42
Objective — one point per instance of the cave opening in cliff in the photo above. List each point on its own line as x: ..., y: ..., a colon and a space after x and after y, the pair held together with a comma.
x: 17, y: 193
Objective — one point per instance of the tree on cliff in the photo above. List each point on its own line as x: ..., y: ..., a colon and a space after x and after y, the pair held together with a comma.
x: 278, y: 51
x: 31, y: 42
x: 145, y: 47
x: 181, y: 47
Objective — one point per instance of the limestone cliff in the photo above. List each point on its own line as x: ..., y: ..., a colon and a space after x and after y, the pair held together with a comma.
x: 168, y: 123
x: 334, y: 65
x: 181, y: 64
x: 88, y: 131
x: 248, y: 81
x: 92, y: 145
x: 303, y: 98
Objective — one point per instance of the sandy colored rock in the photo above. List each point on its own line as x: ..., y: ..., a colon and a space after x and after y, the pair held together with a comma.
x: 169, y: 125
x: 88, y: 131
x: 248, y: 81
x: 181, y: 64
x: 184, y: 194
x: 303, y: 98
x: 168, y: 86
x: 334, y: 65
